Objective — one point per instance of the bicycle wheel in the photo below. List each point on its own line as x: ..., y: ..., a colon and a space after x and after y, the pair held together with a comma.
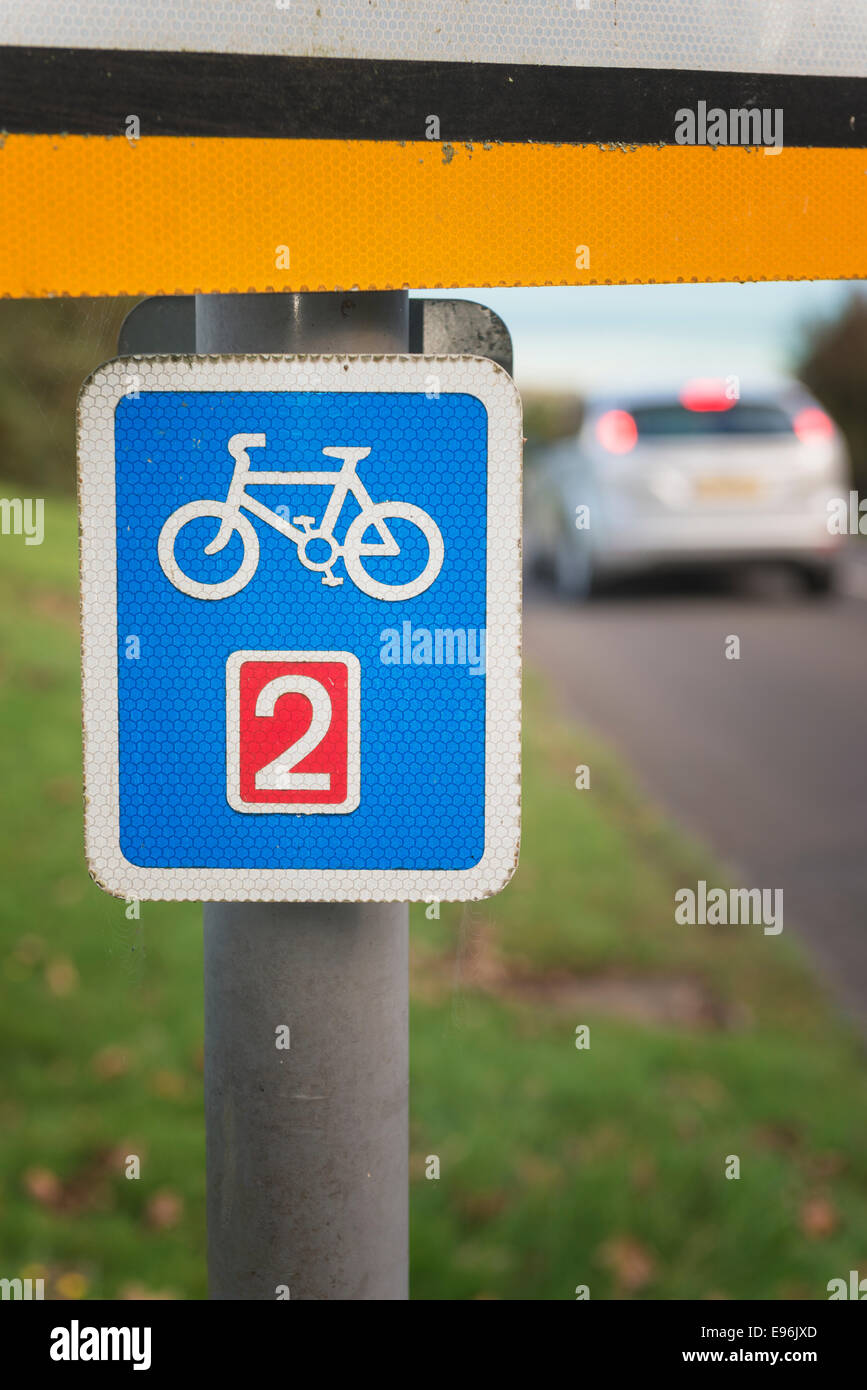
x: 193, y: 511
x: 354, y: 560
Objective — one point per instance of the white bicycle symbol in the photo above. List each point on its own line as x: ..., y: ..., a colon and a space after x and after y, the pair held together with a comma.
x: 353, y: 551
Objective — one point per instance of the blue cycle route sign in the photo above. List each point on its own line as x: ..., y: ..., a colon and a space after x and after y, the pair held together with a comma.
x: 301, y: 608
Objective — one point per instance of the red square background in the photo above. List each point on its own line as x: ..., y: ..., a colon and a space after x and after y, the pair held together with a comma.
x: 263, y: 738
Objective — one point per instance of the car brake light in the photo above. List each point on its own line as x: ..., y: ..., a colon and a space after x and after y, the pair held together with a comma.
x: 617, y: 431
x: 812, y: 425
x: 705, y: 394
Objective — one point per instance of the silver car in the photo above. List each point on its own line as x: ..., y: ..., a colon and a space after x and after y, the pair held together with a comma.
x: 703, y: 475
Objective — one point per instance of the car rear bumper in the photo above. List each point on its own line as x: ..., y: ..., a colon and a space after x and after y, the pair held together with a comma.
x: 696, y: 539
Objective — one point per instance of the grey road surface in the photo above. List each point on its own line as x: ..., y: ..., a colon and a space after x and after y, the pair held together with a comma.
x: 765, y: 758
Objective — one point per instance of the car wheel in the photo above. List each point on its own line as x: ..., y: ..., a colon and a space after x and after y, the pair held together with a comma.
x: 819, y: 580
x: 573, y: 569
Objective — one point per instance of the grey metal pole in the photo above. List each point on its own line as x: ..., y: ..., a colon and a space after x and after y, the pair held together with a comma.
x: 307, y: 1146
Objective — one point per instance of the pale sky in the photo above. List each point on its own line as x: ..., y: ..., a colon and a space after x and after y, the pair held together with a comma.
x: 605, y: 336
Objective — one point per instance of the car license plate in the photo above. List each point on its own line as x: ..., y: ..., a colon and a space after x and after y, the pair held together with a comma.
x: 727, y: 488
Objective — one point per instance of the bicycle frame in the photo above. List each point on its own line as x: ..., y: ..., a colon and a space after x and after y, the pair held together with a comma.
x: 343, y: 482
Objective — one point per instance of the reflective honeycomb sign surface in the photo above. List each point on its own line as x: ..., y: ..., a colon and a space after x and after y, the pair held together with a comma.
x: 301, y: 600
x: 313, y: 145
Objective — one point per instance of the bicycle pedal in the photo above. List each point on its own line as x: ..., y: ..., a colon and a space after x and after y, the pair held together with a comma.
x: 304, y: 521
x: 331, y: 581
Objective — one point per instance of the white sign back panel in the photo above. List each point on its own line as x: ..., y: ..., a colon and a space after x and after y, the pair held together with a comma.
x: 784, y: 36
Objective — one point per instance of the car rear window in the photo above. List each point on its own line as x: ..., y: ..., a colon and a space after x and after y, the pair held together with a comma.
x: 740, y: 419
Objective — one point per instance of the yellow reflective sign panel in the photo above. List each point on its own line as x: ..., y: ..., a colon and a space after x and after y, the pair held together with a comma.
x: 97, y: 217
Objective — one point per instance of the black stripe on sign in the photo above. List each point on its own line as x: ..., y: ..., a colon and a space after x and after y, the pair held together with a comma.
x: 92, y: 91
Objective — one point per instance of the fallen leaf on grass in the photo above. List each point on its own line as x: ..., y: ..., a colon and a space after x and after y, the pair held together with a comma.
x: 110, y: 1062
x: 30, y: 950
x: 169, y: 1085
x: 43, y: 1186
x: 818, y: 1218
x: 88, y: 1188
x: 61, y: 977
x: 164, y: 1210
x: 72, y: 1285
x: 478, y: 1208
x: 538, y: 1172
x: 632, y: 1264
x: 643, y: 1173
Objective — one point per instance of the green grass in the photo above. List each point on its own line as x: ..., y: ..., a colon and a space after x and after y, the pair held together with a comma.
x: 605, y: 1166
x: 559, y: 1166
x: 47, y: 348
